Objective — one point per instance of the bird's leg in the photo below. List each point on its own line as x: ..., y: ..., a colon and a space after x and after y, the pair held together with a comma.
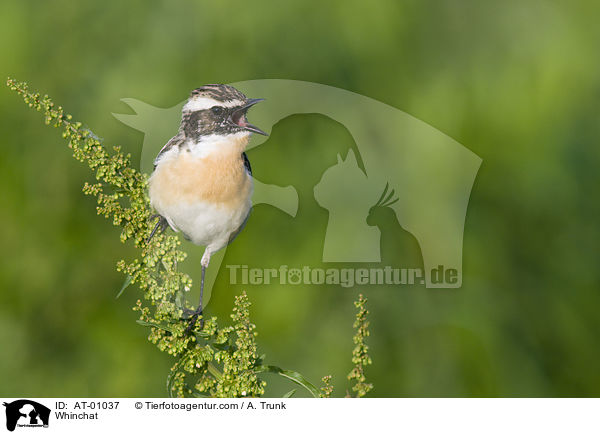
x: 161, y: 223
x: 198, y: 312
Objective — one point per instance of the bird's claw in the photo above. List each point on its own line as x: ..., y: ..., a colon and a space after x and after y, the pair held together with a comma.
x: 193, y: 316
x: 187, y: 313
x: 161, y: 224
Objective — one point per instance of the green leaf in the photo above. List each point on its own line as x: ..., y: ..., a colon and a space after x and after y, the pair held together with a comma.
x: 170, y: 379
x: 151, y: 324
x: 203, y: 334
x: 261, y: 359
x: 290, y: 393
x: 294, y: 376
x: 215, y: 371
x: 225, y: 347
x: 171, y: 376
x: 125, y: 285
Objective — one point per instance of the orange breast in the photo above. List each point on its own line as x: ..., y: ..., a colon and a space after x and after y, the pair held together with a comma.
x: 219, y: 178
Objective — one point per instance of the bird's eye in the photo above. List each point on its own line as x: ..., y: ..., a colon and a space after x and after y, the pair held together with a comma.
x: 217, y: 110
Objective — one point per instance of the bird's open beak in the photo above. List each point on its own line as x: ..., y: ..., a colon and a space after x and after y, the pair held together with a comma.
x: 238, y: 118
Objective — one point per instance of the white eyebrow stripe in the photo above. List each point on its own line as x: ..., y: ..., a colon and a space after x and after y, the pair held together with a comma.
x: 204, y: 103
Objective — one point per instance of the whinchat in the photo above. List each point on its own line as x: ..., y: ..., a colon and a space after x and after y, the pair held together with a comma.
x: 202, y: 184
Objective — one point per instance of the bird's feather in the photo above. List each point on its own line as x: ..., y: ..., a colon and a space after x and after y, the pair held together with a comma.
x: 175, y: 141
x: 247, y: 163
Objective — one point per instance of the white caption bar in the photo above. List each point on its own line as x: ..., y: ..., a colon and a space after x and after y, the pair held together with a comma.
x: 155, y: 415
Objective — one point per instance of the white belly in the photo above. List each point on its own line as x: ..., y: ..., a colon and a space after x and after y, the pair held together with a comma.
x: 205, y: 223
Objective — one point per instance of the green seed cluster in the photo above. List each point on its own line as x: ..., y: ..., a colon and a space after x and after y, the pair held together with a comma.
x: 239, y: 378
x: 360, y: 356
x: 327, y: 388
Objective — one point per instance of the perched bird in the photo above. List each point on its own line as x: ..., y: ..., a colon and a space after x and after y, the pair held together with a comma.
x: 202, y: 181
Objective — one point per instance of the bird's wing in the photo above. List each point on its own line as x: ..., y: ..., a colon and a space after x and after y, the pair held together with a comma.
x: 175, y: 141
x: 247, y: 163
x: 238, y: 230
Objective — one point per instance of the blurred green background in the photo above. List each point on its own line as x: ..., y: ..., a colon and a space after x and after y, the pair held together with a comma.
x: 516, y: 82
